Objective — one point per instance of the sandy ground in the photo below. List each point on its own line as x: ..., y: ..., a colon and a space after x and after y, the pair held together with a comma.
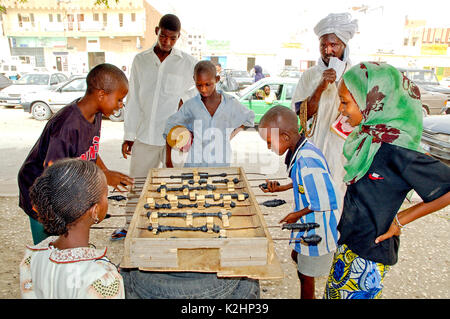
x: 421, y: 272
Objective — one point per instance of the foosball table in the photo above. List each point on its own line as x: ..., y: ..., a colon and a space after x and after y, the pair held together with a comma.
x: 200, y: 220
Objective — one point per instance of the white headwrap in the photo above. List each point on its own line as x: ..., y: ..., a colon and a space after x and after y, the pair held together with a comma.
x: 338, y: 23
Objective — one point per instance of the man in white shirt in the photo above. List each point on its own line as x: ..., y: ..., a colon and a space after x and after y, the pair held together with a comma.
x: 161, y: 80
x: 316, y: 94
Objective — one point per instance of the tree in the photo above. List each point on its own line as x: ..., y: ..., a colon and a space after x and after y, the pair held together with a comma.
x: 96, y: 2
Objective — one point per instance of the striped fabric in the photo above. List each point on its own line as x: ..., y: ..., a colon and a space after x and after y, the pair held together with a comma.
x: 314, y: 188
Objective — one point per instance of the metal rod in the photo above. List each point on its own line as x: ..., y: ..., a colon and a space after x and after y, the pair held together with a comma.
x: 104, y: 227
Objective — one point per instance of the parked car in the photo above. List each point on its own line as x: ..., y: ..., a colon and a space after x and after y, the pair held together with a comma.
x: 291, y: 74
x: 11, y: 71
x: 242, y: 77
x: 433, y: 103
x: 445, y: 82
x: 426, y: 79
x: 434, y: 97
x: 42, y: 105
x: 4, y: 82
x: 436, y: 137
x: 30, y: 83
x: 284, y: 89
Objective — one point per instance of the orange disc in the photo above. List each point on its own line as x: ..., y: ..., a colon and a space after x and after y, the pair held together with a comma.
x: 178, y: 137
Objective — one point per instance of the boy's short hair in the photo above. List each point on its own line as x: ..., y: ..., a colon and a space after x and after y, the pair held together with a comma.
x: 205, y: 66
x: 280, y: 117
x: 65, y: 191
x: 105, y: 77
x: 170, y: 22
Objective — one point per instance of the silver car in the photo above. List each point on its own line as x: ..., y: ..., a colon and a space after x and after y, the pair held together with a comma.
x: 42, y: 105
x: 436, y: 137
x: 28, y: 84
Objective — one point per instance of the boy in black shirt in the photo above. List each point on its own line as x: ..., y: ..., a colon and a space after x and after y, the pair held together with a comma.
x: 74, y: 132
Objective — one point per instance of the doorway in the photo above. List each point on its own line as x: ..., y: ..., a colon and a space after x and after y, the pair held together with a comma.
x: 95, y: 58
x: 250, y: 63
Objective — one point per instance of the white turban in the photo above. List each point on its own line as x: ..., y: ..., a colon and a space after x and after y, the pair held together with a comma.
x: 338, y: 23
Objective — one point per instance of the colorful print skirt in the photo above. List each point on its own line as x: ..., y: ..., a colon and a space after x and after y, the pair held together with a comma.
x: 353, y: 277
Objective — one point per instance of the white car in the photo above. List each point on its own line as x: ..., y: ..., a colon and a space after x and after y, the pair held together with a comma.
x: 445, y: 82
x: 42, y: 105
x: 30, y: 83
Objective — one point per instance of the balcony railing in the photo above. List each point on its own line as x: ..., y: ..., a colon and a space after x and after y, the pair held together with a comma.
x: 56, y: 28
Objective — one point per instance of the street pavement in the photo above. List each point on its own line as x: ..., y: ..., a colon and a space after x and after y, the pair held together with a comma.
x: 421, y: 272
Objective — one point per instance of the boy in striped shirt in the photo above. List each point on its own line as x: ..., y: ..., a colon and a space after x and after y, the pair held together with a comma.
x: 316, y: 197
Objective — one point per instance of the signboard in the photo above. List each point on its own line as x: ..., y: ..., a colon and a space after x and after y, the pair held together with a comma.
x: 434, y: 49
x: 291, y: 45
x: 217, y: 45
x: 38, y: 42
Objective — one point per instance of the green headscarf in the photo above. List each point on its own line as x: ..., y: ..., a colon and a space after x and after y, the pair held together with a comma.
x: 392, y: 113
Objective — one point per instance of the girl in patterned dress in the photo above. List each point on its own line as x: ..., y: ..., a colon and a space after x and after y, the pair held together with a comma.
x: 70, y: 196
x: 384, y: 163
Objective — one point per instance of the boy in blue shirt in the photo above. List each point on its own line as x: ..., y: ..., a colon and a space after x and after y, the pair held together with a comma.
x: 315, y: 195
x: 213, y: 117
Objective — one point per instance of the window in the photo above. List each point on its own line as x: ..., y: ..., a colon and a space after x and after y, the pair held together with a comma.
x: 121, y: 19
x: 133, y: 17
x: 61, y: 77
x: 70, y: 20
x: 58, y: 17
x: 80, y: 17
x: 78, y: 85
x: 19, y: 17
x: 422, y: 76
x: 32, y: 19
x: 437, y: 35
x: 54, y: 80
x: 24, y: 59
x: 50, y: 17
x: 105, y: 19
x: 35, y: 79
x: 289, y: 91
x: 443, y: 34
x: 96, y: 17
x: 276, y: 88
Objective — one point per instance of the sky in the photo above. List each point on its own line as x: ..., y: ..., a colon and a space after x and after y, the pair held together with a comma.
x: 271, y: 18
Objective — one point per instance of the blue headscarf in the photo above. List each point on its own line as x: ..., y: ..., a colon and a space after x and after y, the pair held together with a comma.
x: 258, y: 73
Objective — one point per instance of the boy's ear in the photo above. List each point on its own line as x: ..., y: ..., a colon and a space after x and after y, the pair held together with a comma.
x: 101, y: 94
x: 156, y: 30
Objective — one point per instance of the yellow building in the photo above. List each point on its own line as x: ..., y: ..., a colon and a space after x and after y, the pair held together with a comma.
x: 75, y: 35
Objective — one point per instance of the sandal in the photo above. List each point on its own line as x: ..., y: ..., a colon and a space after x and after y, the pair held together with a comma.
x: 119, y: 234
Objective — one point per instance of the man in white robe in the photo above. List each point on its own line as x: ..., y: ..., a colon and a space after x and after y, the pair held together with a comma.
x: 317, y: 93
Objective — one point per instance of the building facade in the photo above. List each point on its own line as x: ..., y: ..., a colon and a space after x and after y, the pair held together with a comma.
x: 75, y: 35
